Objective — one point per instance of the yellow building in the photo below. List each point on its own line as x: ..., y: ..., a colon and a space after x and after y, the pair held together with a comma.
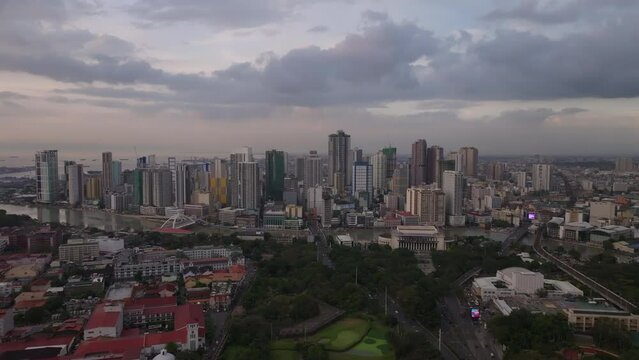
x: 92, y: 188
x: 219, y: 189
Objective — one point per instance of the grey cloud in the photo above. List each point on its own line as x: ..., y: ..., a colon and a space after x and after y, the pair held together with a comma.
x: 556, y: 12
x: 318, y: 29
x: 215, y: 13
x: 381, y: 64
x: 533, y: 117
x: 6, y: 95
x: 55, y: 11
x: 374, y: 16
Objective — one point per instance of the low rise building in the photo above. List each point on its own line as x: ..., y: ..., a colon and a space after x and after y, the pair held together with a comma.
x: 417, y: 238
x: 515, y: 281
x: 76, y: 250
x: 106, y: 321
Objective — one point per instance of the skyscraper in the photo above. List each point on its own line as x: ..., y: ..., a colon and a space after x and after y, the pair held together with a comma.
x: 624, y: 164
x: 173, y: 169
x: 433, y: 208
x: 435, y: 155
x: 312, y: 170
x: 391, y: 161
x: 162, y: 187
x: 541, y: 177
x: 46, y: 176
x: 362, y: 181
x: 245, y: 154
x: 339, y: 146
x: 495, y: 170
x: 274, y: 174
x: 75, y: 184
x: 107, y: 173
x: 419, y: 163
x: 399, y: 181
x: 248, y: 191
x: 467, y: 161
x: 117, y: 173
x: 378, y: 160
x: 453, y: 186
x: 299, y: 168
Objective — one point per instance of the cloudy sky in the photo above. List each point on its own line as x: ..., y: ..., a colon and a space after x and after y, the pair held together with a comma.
x: 204, y: 77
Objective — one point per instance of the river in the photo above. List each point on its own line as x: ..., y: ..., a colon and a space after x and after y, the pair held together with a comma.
x: 82, y: 217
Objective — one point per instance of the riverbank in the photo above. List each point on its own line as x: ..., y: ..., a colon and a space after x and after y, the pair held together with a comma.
x: 85, y: 217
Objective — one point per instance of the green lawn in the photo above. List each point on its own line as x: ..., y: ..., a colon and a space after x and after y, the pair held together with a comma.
x: 285, y: 355
x: 347, y: 339
x: 342, y: 335
x: 373, y: 346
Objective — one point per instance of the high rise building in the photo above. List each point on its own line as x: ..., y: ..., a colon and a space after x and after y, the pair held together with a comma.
x: 319, y: 204
x: 299, y: 168
x: 444, y: 165
x: 46, y: 176
x: 541, y: 177
x: 419, y: 163
x: 467, y: 161
x: 245, y: 154
x: 248, y: 181
x: 399, y: 181
x: 66, y: 178
x: 116, y: 167
x: 93, y: 186
x: 219, y: 182
x: 356, y: 155
x: 453, y: 186
x: 274, y: 183
x: 172, y: 161
x: 162, y: 187
x: 147, y: 187
x: 144, y: 162
x: 520, y: 179
x: 138, y: 186
x: 191, y: 176
x: 378, y: 160
x: 433, y: 158
x: 624, y: 164
x: 312, y: 170
x: 433, y: 208
x: 107, y: 173
x: 495, y: 170
x: 339, y: 145
x: 75, y: 184
x: 362, y: 182
x: 429, y: 204
x: 391, y: 161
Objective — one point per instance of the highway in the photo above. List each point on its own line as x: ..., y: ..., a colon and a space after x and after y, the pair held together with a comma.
x: 515, y: 236
x: 608, y: 294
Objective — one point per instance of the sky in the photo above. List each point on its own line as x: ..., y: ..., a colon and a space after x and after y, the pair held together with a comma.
x: 204, y: 77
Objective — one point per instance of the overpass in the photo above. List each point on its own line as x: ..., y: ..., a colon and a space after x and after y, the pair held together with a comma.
x: 513, y: 237
x: 608, y: 294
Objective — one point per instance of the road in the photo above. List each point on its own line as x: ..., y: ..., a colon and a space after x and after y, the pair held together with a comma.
x: 323, y: 247
x: 222, y: 326
x: 407, y: 323
x: 515, y: 236
x: 608, y: 294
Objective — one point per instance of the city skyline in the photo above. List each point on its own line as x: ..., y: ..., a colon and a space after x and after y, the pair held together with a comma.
x: 509, y: 78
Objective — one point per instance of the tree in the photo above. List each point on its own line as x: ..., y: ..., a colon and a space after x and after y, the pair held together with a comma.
x: 138, y: 277
x: 609, y: 334
x: 608, y: 245
x: 35, y: 315
x: 315, y: 352
x: 172, y: 348
x: 575, y: 254
x: 304, y: 307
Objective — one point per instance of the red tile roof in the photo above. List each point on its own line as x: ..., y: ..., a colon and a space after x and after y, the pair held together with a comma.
x: 100, y: 318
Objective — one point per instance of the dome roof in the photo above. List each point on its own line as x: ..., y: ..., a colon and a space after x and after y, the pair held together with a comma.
x: 164, y: 355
